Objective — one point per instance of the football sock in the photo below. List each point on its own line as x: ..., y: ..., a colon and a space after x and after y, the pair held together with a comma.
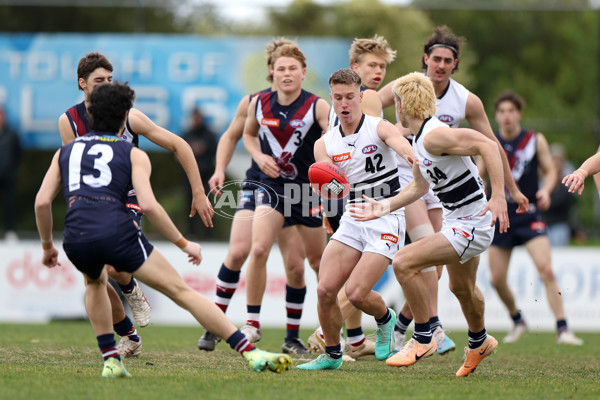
x: 517, y: 318
x: 334, y: 352
x: 476, y: 339
x: 108, y: 346
x: 434, y: 323
x: 402, y: 323
x: 239, y: 342
x: 385, y: 319
x: 227, y: 281
x: 253, y: 316
x: 356, y: 337
x: 129, y: 287
x: 561, y: 326
x: 126, y: 328
x: 294, y: 302
x: 422, y: 333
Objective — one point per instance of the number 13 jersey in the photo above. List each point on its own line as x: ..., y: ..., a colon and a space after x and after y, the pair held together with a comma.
x: 454, y: 179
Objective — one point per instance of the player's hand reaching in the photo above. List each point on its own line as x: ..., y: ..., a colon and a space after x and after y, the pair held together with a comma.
x: 575, y: 181
x: 372, y: 209
x: 497, y: 206
x: 327, y: 225
x: 50, y: 258
x: 202, y: 206
x: 194, y: 252
x: 216, y: 182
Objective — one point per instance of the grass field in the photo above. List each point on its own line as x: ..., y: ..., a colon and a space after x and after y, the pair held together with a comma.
x: 60, y: 360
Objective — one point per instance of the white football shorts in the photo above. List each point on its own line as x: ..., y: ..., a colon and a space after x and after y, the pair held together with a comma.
x: 469, y: 236
x: 383, y: 235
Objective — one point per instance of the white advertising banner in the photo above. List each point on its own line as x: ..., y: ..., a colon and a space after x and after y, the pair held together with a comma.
x: 30, y: 292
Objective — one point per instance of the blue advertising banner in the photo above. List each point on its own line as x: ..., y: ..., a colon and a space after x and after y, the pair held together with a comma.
x: 171, y: 75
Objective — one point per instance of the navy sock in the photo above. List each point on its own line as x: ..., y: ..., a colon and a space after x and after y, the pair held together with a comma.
x: 422, y: 333
x: 561, y: 325
x: 434, y: 323
x: 385, y: 319
x: 517, y: 318
x: 108, y: 346
x: 294, y: 303
x: 476, y: 339
x: 334, y: 352
x: 126, y: 328
x: 402, y: 323
x: 253, y: 316
x: 239, y: 342
x: 227, y: 282
x: 129, y: 287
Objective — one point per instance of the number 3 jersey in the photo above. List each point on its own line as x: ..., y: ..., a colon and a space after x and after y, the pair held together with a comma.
x: 96, y: 177
x: 288, y: 134
x: 369, y: 163
x: 454, y: 179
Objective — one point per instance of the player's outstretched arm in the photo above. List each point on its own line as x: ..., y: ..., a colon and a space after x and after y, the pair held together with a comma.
x: 373, y: 209
x: 477, y: 118
x: 227, y: 144
x: 140, y: 177
x: 575, y: 180
x: 142, y: 125
x: 43, y: 211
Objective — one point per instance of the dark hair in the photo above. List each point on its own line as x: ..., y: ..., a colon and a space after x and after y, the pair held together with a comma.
x: 509, y: 95
x: 90, y: 63
x: 345, y: 76
x: 443, y: 37
x: 108, y: 105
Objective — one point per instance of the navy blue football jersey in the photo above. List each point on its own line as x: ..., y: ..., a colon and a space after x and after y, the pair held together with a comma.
x: 96, y: 177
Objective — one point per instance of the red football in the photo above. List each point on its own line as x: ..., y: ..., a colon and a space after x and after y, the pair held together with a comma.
x: 328, y: 181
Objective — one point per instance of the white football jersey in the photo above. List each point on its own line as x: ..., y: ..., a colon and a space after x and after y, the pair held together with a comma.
x: 368, y: 162
x: 452, y: 106
x: 455, y: 180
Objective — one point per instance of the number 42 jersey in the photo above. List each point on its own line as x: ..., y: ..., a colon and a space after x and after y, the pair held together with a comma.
x: 96, y: 176
x: 454, y: 179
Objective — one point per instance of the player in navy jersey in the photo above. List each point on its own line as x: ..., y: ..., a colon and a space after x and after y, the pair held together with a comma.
x: 95, y: 172
x: 240, y: 239
x: 444, y: 158
x: 365, y: 148
x: 454, y: 103
x: 280, y: 131
x: 530, y: 159
x: 94, y: 69
x: 369, y: 57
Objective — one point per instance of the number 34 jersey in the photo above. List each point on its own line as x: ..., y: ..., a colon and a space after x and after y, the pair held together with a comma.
x: 96, y: 176
x: 454, y: 179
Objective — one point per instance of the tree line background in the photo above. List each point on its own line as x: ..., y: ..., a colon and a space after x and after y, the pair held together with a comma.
x: 547, y: 51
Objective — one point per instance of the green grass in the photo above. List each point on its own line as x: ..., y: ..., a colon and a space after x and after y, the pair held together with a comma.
x: 60, y: 360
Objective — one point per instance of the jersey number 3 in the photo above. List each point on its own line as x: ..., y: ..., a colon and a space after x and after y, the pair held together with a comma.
x: 100, y: 165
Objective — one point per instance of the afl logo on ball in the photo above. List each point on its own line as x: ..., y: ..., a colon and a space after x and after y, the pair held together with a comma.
x: 447, y: 119
x: 427, y: 162
x: 297, y: 123
x: 369, y: 149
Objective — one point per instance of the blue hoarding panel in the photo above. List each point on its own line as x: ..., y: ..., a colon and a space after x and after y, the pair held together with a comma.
x: 171, y: 75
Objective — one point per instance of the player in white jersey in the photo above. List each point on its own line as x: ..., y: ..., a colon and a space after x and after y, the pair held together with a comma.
x: 369, y: 58
x: 359, y: 252
x: 443, y: 156
x: 454, y: 103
